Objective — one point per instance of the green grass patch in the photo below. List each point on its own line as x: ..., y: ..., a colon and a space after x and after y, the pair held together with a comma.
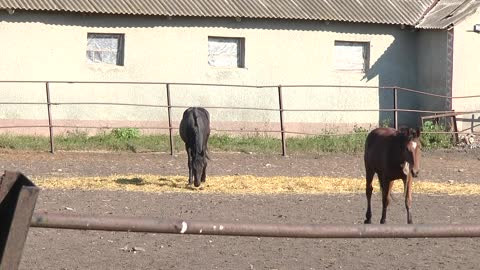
x: 37, y: 143
x: 83, y: 142
x: 246, y: 144
x: 132, y: 140
x: 352, y: 143
x: 161, y: 143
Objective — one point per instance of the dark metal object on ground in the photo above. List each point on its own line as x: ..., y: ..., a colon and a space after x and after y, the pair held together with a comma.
x: 18, y: 196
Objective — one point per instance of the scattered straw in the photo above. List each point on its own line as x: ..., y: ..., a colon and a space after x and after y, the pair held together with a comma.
x: 245, y: 184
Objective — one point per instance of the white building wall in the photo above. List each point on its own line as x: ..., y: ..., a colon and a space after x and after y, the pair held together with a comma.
x: 51, y: 47
x: 466, y: 81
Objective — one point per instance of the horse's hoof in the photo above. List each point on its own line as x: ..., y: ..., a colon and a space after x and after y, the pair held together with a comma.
x: 367, y: 222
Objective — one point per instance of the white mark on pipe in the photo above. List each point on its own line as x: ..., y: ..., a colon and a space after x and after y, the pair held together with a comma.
x: 221, y: 227
x: 184, y: 227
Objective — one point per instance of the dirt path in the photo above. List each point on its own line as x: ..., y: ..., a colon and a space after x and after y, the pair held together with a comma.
x: 435, y: 166
x: 65, y: 249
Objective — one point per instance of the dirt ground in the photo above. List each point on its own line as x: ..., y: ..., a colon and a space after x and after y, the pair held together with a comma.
x: 69, y: 249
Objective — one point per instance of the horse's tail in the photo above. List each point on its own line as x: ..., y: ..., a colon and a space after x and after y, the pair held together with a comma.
x: 200, y: 150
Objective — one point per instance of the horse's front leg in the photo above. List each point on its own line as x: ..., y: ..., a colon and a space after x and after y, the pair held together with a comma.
x: 368, y: 191
x: 204, y: 173
x: 190, y: 166
x: 407, y: 183
x: 386, y: 189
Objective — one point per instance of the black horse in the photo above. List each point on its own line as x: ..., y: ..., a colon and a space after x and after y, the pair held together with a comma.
x: 392, y: 154
x: 195, y: 130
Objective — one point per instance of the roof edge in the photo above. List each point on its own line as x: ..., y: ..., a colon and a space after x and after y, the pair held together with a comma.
x: 426, y: 12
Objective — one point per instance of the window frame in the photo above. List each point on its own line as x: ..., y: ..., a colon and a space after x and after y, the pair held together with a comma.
x: 120, y: 52
x: 365, y: 55
x: 240, y: 51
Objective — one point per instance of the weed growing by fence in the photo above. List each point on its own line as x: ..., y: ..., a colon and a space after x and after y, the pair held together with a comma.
x: 126, y: 133
x: 435, y: 140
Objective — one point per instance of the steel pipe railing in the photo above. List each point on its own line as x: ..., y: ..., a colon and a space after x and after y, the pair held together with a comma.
x: 151, y: 225
x: 282, y: 130
x: 239, y: 85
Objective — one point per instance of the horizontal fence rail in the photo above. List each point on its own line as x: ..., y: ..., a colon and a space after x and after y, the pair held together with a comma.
x: 281, y: 109
x: 150, y: 225
x: 232, y: 107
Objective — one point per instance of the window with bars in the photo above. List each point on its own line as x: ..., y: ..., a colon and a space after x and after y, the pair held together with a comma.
x: 105, y: 48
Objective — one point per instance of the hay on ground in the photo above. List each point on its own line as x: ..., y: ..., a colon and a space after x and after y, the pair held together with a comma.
x: 246, y: 184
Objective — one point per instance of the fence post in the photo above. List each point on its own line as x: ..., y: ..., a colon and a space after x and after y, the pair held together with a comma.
x: 395, y: 108
x: 282, y: 129
x: 169, y: 110
x: 50, y: 126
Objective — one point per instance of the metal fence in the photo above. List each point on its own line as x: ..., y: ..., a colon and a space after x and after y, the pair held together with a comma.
x: 282, y: 131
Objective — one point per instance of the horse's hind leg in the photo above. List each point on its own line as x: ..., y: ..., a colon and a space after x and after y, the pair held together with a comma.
x: 408, y: 197
x: 190, y: 167
x: 386, y: 189
x: 368, y: 190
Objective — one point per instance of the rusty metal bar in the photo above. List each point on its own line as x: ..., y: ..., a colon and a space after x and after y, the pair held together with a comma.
x: 195, y: 84
x: 282, y: 128
x: 169, y: 111
x: 18, y: 196
x: 22, y: 103
x: 228, y: 108
x: 222, y: 107
x: 239, y: 85
x: 50, y: 126
x: 434, y: 95
x: 360, y: 110
x: 101, y: 127
x: 395, y: 108
x: 150, y: 225
x: 157, y: 106
x: 452, y: 113
x: 26, y: 126
x: 226, y: 130
x: 110, y: 103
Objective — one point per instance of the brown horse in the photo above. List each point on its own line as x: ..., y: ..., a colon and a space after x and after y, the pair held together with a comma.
x: 392, y: 154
